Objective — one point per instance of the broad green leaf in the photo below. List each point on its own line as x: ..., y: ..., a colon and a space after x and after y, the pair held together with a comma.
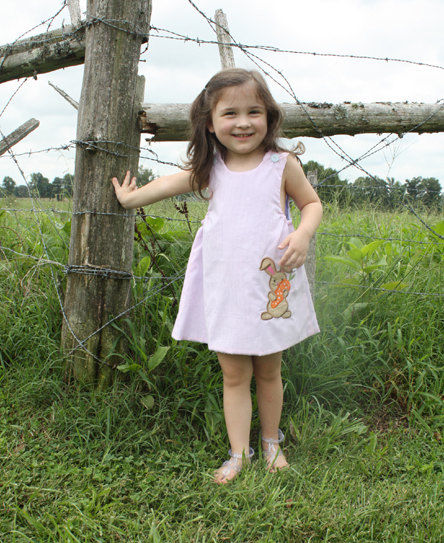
x: 148, y: 401
x: 175, y: 235
x: 355, y: 242
x: 129, y: 366
x: 155, y: 359
x: 156, y: 223
x: 394, y: 285
x: 370, y: 248
x: 356, y: 254
x: 343, y: 260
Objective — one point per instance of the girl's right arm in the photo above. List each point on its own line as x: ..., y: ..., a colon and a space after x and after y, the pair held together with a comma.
x: 131, y: 197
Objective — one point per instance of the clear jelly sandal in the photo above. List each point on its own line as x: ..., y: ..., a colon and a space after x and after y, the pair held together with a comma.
x: 273, y: 454
x: 230, y: 468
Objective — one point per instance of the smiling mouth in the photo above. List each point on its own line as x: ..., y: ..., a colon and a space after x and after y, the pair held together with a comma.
x: 242, y: 136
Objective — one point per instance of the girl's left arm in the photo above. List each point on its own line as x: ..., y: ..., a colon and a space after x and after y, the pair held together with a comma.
x: 304, y: 196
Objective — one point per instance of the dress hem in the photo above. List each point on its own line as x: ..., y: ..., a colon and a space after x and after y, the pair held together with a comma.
x: 312, y: 332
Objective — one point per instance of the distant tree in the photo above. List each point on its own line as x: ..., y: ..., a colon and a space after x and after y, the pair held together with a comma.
x: 331, y: 186
x: 371, y: 189
x: 144, y: 176
x: 396, y: 193
x: 57, y: 187
x: 21, y: 191
x: 8, y: 186
x: 426, y: 191
x: 67, y: 184
x: 41, y: 185
x: 432, y: 192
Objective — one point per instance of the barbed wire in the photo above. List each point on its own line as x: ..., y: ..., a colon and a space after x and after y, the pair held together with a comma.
x: 42, y: 238
x: 376, y: 148
x: 171, y: 35
x: 168, y: 218
x: 19, y: 86
x: 174, y: 35
x: 387, y: 290
x: 331, y: 143
x: 49, y: 20
x: 111, y: 273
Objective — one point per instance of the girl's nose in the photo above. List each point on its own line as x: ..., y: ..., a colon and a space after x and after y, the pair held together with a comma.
x: 243, y: 121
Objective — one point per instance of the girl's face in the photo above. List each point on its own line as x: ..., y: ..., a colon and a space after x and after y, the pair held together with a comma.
x: 239, y: 121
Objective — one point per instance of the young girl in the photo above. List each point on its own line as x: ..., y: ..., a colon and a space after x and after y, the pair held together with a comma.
x: 245, y: 291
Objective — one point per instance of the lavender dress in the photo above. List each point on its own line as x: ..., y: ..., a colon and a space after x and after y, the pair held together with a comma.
x: 234, y: 296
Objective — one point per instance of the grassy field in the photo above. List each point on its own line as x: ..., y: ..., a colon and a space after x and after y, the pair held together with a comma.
x: 362, y: 414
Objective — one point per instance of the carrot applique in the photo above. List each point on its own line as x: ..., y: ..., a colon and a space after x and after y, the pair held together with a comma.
x: 279, y: 288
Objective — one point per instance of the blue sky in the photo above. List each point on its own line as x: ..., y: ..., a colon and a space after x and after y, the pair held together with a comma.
x: 177, y: 70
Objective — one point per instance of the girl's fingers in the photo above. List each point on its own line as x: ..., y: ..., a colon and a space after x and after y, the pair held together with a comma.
x: 126, y: 184
x: 126, y: 179
x: 290, y: 260
x: 115, y: 183
x: 284, y: 243
x: 285, y: 258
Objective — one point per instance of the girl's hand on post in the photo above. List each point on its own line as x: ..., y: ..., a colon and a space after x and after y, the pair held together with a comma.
x: 297, y: 247
x: 125, y: 189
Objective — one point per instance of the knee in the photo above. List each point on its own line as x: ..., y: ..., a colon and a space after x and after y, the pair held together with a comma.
x: 265, y: 373
x: 234, y: 377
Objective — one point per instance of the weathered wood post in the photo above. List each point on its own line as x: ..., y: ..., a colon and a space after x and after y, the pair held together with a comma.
x: 108, y: 142
x: 74, y: 11
x: 223, y: 37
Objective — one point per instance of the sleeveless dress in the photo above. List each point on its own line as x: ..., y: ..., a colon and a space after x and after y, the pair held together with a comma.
x: 234, y: 296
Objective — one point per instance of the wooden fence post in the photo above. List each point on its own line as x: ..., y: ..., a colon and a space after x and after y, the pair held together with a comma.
x: 74, y: 11
x: 102, y: 232
x: 225, y: 51
x: 65, y: 95
x: 310, y: 263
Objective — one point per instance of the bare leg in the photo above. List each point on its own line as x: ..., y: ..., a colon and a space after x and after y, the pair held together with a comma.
x: 237, y: 371
x: 269, y: 391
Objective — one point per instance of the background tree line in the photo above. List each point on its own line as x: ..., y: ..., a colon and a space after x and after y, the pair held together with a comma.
x: 386, y: 194
x: 40, y: 186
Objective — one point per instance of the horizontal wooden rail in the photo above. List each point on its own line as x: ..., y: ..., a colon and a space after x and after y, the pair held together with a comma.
x: 43, y: 53
x: 18, y: 134
x: 169, y: 122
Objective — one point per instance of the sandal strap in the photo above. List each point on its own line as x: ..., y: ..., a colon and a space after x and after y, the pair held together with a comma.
x: 241, y: 455
x: 233, y: 464
x: 280, y: 438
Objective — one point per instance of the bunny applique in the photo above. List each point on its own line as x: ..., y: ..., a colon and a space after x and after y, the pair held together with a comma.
x: 279, y: 289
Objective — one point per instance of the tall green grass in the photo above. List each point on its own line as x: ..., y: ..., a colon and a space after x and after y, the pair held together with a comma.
x: 377, y: 351
x: 134, y: 463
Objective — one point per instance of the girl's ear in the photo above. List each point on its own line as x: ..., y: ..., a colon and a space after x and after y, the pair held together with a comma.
x: 210, y: 127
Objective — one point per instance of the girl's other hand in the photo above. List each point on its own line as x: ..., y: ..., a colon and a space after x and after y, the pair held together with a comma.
x: 125, y: 189
x: 297, y: 247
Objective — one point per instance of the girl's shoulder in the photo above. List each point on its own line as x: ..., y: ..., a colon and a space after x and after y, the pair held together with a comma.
x: 293, y: 168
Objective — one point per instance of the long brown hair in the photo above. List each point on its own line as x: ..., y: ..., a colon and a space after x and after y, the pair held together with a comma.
x: 203, y: 144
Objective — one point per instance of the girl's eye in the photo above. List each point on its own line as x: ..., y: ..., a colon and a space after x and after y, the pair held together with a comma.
x: 255, y: 112
x: 228, y: 113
